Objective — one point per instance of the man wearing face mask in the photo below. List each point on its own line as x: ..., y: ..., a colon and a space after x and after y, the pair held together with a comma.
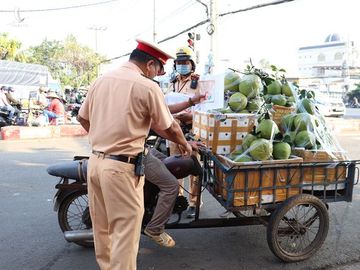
x: 186, y: 83
x: 120, y: 108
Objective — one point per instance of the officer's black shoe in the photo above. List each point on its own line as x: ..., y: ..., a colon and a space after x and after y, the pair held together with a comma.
x: 190, y: 212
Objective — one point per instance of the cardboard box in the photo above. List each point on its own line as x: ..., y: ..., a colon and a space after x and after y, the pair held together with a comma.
x: 252, y: 183
x: 328, y: 174
x: 223, y: 133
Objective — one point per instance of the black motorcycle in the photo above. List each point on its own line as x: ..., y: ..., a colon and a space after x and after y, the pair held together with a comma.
x: 71, y: 200
x: 18, y: 118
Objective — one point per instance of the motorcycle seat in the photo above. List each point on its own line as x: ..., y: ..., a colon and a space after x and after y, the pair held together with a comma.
x: 182, y: 167
x: 76, y: 170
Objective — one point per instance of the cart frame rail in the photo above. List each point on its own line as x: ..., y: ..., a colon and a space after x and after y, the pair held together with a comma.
x: 335, y: 182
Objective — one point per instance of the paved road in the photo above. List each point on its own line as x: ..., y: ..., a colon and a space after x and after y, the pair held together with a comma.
x: 31, y: 239
x: 352, y: 113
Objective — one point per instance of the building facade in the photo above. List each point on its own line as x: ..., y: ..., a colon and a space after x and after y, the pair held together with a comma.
x: 332, y: 67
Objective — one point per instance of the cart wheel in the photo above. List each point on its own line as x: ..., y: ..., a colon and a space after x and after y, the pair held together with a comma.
x: 298, y: 228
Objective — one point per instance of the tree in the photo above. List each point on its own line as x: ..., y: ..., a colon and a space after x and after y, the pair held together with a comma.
x: 80, y: 63
x: 47, y: 54
x: 8, y: 47
x: 73, y: 64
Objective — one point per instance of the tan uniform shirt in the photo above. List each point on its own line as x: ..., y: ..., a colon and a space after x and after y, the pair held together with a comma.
x: 183, y: 86
x: 120, y: 106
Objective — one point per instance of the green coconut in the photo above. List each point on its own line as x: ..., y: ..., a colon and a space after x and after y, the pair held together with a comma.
x: 243, y: 158
x: 225, y: 110
x: 231, y: 81
x: 236, y: 153
x: 305, y: 139
x: 237, y: 102
x: 249, y: 138
x: 261, y: 149
x: 255, y: 104
x: 306, y: 105
x: 274, y: 88
x: 287, y: 122
x: 289, y: 136
x: 267, y: 128
x: 303, y: 121
x: 291, y: 99
x: 279, y: 100
x: 287, y: 90
x: 281, y: 150
x: 250, y: 85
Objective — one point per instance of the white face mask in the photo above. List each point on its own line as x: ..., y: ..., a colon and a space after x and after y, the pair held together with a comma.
x: 183, y: 69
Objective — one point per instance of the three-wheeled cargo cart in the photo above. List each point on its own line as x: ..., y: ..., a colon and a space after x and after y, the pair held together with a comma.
x: 290, y: 197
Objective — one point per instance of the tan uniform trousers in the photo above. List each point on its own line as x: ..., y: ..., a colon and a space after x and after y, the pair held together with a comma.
x: 116, y: 209
x: 193, y: 180
x: 157, y: 173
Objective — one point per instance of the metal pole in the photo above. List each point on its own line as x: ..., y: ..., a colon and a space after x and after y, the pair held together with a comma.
x: 96, y: 42
x: 154, y: 18
x: 213, y: 31
x: 97, y: 28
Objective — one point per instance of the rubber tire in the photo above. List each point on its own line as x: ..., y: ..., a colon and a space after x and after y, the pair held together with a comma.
x: 62, y: 216
x: 279, y: 214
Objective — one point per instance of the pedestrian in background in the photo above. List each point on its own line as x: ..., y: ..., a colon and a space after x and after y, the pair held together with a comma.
x: 56, y: 108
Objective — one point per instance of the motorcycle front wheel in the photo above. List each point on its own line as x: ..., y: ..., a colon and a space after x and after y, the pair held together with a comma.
x: 74, y: 215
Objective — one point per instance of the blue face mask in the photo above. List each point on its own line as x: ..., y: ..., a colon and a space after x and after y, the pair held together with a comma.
x: 183, y: 69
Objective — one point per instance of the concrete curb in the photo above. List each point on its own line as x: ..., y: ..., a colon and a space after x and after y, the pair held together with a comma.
x: 20, y: 133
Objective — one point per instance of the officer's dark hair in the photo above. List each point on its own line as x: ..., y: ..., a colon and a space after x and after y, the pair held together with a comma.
x: 142, y: 57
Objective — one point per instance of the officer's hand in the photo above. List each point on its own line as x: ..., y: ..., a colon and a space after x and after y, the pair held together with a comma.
x: 186, y: 150
x: 184, y: 117
x: 195, y: 145
x: 198, y: 98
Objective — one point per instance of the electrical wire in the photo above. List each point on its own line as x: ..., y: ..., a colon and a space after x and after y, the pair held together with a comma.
x: 208, y: 20
x: 60, y: 8
x: 255, y: 7
x: 170, y: 15
x: 206, y: 6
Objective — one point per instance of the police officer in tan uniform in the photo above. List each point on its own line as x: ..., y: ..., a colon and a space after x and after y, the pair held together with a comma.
x: 118, y: 112
x: 186, y: 83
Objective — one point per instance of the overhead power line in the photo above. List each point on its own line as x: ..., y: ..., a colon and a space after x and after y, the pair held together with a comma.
x: 62, y: 8
x: 207, y: 20
x: 255, y: 7
x: 205, y: 5
x: 225, y: 14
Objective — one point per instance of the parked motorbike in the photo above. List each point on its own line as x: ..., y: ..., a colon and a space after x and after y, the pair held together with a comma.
x: 71, y: 201
x: 73, y: 109
x: 18, y: 118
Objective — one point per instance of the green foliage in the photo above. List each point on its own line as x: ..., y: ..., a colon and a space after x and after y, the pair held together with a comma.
x: 8, y: 47
x: 74, y: 64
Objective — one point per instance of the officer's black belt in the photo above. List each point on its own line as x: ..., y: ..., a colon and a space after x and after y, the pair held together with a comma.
x: 115, y: 157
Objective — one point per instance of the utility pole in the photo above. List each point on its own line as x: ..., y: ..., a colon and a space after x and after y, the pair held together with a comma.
x: 97, y: 28
x: 212, y: 29
x: 154, y: 20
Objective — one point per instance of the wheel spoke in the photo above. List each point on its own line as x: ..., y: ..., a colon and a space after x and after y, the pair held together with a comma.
x: 75, y: 211
x: 291, y: 225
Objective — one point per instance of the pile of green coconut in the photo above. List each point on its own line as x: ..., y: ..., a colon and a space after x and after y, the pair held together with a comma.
x: 305, y: 128
x: 247, y: 92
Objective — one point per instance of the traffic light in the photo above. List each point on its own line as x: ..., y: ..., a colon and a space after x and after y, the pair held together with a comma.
x: 191, y: 40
